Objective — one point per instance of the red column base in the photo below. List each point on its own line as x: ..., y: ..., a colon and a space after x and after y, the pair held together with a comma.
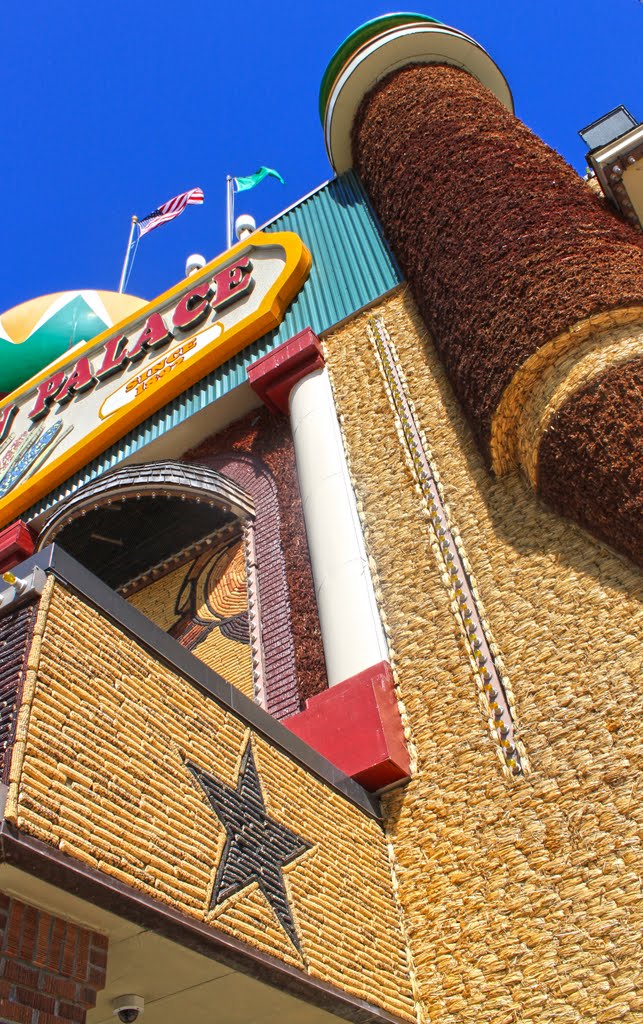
x: 16, y: 544
x: 356, y: 726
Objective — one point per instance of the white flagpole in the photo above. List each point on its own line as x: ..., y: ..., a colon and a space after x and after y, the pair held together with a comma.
x: 229, y: 210
x: 127, y: 252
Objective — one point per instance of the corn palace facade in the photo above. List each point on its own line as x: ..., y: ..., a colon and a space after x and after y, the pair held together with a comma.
x: 320, y: 629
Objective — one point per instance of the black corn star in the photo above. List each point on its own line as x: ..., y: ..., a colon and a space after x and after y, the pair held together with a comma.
x: 256, y: 847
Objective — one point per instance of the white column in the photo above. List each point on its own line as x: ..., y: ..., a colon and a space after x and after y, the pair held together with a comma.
x: 351, y: 628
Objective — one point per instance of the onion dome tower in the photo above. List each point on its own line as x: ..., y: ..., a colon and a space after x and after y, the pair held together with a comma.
x: 36, y: 332
x: 531, y: 287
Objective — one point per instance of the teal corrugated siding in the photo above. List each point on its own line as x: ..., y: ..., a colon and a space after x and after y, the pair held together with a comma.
x: 352, y: 266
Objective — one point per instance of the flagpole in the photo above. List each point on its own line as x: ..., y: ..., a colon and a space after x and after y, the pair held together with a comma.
x: 127, y: 252
x: 229, y: 210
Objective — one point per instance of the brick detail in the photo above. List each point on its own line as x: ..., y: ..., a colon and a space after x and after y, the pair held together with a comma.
x: 15, y: 634
x: 50, y: 969
x: 274, y: 375
x: 16, y: 544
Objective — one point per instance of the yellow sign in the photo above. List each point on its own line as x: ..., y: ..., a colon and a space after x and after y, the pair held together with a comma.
x: 93, y: 395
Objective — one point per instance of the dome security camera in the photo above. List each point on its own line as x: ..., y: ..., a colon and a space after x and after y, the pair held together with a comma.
x: 128, y: 1008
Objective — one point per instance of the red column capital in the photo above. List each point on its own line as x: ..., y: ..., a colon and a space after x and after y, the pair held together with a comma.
x: 274, y: 375
x: 16, y: 544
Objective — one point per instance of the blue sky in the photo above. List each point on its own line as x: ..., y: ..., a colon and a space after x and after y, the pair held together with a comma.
x: 110, y: 108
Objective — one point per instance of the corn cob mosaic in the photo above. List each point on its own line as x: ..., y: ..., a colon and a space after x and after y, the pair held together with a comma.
x: 119, y: 762
x: 455, y: 569
x: 521, y: 896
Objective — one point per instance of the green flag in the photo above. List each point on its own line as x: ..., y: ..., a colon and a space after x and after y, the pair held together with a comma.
x: 254, y: 179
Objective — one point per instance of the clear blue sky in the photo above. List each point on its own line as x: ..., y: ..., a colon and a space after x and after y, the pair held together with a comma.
x: 110, y: 107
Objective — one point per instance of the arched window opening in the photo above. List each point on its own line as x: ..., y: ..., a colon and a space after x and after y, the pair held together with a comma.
x: 176, y: 542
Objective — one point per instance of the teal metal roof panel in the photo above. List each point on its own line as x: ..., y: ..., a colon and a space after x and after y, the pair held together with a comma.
x: 352, y: 266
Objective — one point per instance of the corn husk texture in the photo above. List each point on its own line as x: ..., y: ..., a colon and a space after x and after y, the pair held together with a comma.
x: 590, y: 464
x: 521, y: 895
x: 503, y: 245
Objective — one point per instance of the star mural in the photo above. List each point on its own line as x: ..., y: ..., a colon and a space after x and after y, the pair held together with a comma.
x: 257, y: 847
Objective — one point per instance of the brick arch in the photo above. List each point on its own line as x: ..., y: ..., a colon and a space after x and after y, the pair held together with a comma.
x: 269, y: 604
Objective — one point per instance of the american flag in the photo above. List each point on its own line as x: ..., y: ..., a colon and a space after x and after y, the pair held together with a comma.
x: 170, y: 210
